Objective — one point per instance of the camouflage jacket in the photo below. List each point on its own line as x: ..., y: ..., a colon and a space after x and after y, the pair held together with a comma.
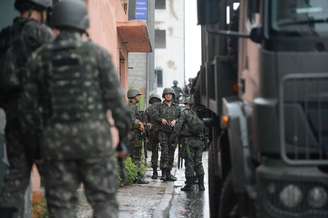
x: 136, y: 117
x: 72, y: 83
x: 33, y: 35
x: 187, y: 120
x: 168, y: 113
x: 149, y: 115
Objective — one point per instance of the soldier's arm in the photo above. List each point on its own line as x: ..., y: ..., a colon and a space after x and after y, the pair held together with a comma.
x: 179, y: 124
x: 36, y: 35
x: 29, y: 105
x: 113, y: 98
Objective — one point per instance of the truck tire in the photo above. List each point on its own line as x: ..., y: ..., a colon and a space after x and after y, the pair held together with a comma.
x: 214, y: 182
x: 229, y: 202
x: 228, y: 199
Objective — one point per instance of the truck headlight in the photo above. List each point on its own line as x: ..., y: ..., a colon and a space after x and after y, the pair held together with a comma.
x: 317, y: 197
x: 291, y: 196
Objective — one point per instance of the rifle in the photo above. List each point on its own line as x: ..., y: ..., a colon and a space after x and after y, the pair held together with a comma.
x: 122, y: 154
x: 180, y: 157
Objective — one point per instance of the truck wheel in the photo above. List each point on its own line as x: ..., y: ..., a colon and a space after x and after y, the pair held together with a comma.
x: 214, y: 182
x: 229, y: 202
x: 228, y: 199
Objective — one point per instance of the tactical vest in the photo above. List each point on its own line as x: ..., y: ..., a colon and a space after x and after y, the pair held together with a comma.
x: 74, y: 85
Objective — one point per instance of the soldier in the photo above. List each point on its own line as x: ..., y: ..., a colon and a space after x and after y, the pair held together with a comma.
x: 17, y: 42
x: 72, y: 83
x: 135, y: 141
x: 178, y: 92
x: 188, y: 129
x: 153, y: 129
x: 166, y: 116
x: 187, y: 88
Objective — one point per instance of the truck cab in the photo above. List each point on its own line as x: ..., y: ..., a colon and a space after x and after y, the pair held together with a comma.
x: 265, y: 77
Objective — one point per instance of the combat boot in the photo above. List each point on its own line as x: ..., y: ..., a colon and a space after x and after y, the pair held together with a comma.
x: 141, y: 180
x: 164, y: 177
x: 201, y: 183
x: 155, y: 175
x: 7, y: 212
x: 170, y: 177
x: 188, y: 186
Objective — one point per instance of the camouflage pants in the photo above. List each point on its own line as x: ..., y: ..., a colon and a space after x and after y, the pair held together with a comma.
x: 21, y: 156
x: 193, y: 151
x: 153, y: 142
x: 136, y: 152
x: 167, y: 151
x: 64, y: 177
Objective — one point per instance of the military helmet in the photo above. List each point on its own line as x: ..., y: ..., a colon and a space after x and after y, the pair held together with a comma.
x: 175, y: 82
x: 168, y: 91
x: 188, y: 100
x: 70, y: 14
x: 22, y: 5
x: 133, y: 93
x: 154, y: 97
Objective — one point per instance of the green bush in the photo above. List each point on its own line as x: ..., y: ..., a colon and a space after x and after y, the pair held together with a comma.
x: 131, y: 171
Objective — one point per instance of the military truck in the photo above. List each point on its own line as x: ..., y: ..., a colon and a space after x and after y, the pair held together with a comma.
x: 264, y: 75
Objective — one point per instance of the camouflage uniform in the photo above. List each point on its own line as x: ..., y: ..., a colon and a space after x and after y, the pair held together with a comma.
x: 192, y: 147
x: 153, y: 135
x: 135, y: 141
x: 167, y: 149
x: 76, y: 84
x: 22, y: 149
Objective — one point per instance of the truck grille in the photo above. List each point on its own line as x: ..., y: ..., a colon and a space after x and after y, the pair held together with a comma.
x: 304, y: 118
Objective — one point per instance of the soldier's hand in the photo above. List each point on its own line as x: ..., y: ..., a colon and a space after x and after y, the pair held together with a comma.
x: 173, y: 122
x: 141, y: 127
x: 115, y: 136
x: 164, y: 122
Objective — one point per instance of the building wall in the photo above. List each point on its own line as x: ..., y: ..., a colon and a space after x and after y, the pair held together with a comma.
x: 141, y: 65
x: 104, y: 14
x: 171, y: 58
x: 138, y: 71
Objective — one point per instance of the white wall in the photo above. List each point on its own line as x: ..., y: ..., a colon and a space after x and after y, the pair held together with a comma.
x: 171, y: 59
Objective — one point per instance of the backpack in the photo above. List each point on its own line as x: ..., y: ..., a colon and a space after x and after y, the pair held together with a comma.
x: 13, y: 57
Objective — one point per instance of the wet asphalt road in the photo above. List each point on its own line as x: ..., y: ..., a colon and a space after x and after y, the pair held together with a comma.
x: 190, y: 204
x: 158, y: 199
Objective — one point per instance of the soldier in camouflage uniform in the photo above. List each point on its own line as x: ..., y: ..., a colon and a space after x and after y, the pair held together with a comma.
x: 177, y: 91
x: 76, y: 88
x: 153, y: 129
x: 29, y: 31
x: 135, y: 141
x: 186, y: 129
x: 166, y: 116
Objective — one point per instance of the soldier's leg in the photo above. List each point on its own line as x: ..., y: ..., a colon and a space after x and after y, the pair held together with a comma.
x: 189, y: 170
x: 163, y: 138
x: 154, y: 154
x: 99, y: 178
x: 62, y: 179
x: 198, y: 167
x: 172, y: 148
x: 17, y: 180
x: 138, y: 162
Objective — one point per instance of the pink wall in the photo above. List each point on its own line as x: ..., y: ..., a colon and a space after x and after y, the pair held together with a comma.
x: 103, y: 16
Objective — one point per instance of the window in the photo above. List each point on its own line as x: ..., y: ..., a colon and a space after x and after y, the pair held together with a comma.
x: 160, y: 39
x: 160, y: 4
x: 159, y: 75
